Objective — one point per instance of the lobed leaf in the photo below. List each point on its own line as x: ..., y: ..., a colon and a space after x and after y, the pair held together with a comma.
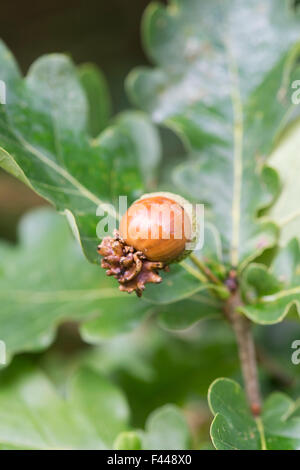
x: 285, y: 159
x: 34, y: 416
x: 277, y: 289
x: 45, y: 140
x: 185, y: 313
x: 222, y: 82
x: 234, y: 427
x: 166, y: 429
x: 97, y: 93
x: 45, y: 280
x: 94, y: 415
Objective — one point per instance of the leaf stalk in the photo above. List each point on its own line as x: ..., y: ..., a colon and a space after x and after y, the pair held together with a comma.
x: 205, y: 270
x: 243, y: 331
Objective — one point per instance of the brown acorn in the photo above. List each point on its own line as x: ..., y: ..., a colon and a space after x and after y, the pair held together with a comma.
x: 158, y: 226
x: 152, y: 234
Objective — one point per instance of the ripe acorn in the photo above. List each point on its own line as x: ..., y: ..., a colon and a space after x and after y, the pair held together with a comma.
x: 159, y: 226
x: 152, y: 234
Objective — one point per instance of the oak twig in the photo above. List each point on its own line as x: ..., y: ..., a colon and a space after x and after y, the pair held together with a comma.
x: 243, y: 332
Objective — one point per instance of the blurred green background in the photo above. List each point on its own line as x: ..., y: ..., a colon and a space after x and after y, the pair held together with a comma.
x: 152, y: 366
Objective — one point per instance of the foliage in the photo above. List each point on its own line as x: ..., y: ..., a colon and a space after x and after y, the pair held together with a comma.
x: 34, y: 299
x: 234, y: 428
x: 222, y: 82
x: 92, y: 415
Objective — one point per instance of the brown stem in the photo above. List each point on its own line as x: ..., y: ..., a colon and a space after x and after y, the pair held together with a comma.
x: 242, y: 328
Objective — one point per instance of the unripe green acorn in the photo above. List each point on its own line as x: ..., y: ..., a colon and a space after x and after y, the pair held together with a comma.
x: 159, y: 225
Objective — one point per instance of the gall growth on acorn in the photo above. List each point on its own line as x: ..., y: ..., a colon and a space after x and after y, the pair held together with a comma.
x: 152, y: 234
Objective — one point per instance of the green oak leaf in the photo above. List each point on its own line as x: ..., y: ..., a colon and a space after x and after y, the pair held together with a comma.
x: 45, y: 280
x: 222, y: 82
x: 285, y: 159
x: 166, y: 429
x: 44, y: 140
x: 183, y: 279
x: 234, y: 428
x: 34, y: 416
x: 277, y: 289
x: 179, y: 283
x: 185, y: 313
x: 162, y: 367
x: 170, y: 300
x: 258, y: 281
x: 147, y: 142
x: 97, y: 92
x: 92, y: 414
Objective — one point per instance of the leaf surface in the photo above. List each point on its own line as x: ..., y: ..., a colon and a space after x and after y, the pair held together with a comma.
x: 93, y: 415
x: 44, y: 137
x: 45, y: 280
x: 234, y: 428
x: 34, y: 416
x: 166, y: 429
x: 277, y: 289
x: 45, y: 142
x: 96, y: 88
x: 222, y: 82
x: 285, y: 159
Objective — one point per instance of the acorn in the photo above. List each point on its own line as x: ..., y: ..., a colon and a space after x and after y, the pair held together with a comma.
x: 153, y: 233
x: 157, y: 225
